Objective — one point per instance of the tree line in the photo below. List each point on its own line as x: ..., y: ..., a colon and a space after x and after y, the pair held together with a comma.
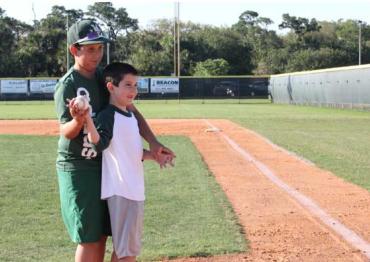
x: 247, y: 47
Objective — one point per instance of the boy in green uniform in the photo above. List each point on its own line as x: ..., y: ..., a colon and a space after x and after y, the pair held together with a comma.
x: 78, y: 165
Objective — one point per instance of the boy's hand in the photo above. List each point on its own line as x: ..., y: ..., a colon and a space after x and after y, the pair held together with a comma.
x: 76, y: 113
x: 164, y: 159
x: 157, y: 149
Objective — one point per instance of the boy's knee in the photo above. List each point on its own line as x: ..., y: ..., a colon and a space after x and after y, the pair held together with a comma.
x: 103, y: 239
x: 127, y: 259
x: 94, y: 245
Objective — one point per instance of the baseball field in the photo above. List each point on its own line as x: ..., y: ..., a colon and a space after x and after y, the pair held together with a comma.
x: 253, y: 181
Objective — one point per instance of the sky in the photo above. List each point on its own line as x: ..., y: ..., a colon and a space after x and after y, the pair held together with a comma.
x: 211, y: 12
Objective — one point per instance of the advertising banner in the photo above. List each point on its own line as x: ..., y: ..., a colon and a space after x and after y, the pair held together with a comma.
x: 13, y: 86
x: 143, y: 85
x: 42, y: 86
x: 164, y: 85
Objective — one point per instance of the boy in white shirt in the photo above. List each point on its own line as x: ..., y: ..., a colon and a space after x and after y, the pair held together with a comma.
x: 117, y: 133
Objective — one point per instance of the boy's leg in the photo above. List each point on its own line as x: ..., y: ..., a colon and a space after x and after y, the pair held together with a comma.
x: 124, y: 259
x: 127, y: 222
x: 93, y: 252
x: 85, y: 215
x: 101, y: 251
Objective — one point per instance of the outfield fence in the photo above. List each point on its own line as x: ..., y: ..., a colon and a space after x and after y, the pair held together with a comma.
x: 345, y: 87
x: 231, y: 87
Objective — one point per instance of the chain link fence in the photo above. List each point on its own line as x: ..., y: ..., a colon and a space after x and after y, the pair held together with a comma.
x: 243, y: 87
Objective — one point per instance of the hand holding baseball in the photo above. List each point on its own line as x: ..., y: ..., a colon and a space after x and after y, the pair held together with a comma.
x: 81, y: 103
x: 78, y: 108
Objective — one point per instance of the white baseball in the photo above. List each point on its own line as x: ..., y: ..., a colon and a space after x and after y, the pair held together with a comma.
x: 81, y: 102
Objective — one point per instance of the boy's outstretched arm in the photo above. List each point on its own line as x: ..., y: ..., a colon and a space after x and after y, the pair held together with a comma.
x: 162, y: 159
x: 155, y: 146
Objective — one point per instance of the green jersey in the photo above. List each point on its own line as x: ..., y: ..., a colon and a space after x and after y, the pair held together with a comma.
x: 77, y: 153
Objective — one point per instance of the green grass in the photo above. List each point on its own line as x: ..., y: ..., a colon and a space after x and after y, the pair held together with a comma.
x: 27, y: 110
x: 334, y: 139
x: 186, y: 213
x: 46, y: 110
x: 31, y: 226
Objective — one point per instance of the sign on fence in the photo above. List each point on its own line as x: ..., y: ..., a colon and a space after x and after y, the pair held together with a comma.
x: 42, y: 86
x: 164, y: 85
x: 143, y: 85
x: 14, y: 86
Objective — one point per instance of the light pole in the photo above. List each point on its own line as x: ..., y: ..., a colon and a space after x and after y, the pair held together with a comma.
x: 108, y: 44
x: 111, y: 36
x: 359, y: 41
x: 67, y: 43
x: 174, y: 39
x: 178, y: 39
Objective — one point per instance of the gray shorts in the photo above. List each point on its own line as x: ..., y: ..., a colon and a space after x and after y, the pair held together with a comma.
x: 126, y: 218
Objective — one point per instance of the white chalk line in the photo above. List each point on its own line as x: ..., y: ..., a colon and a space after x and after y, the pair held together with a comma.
x: 347, y: 234
x: 282, y: 149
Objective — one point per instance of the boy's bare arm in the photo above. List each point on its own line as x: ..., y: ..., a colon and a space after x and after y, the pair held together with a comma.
x: 72, y: 128
x: 145, y: 131
x: 92, y: 134
x: 162, y: 159
x: 147, y: 155
x: 144, y: 128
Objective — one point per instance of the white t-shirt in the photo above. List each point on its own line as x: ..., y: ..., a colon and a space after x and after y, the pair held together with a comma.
x: 122, y: 167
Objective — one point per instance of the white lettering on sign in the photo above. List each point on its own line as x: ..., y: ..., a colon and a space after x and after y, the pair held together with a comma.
x: 164, y: 85
x: 46, y: 86
x: 14, y: 86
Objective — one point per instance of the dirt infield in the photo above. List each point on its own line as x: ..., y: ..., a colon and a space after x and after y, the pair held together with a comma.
x: 290, y: 209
